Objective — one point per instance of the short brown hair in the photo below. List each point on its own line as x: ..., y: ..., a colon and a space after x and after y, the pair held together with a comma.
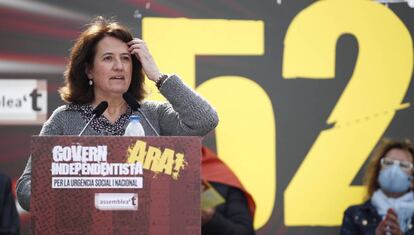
x: 374, y: 166
x: 77, y: 88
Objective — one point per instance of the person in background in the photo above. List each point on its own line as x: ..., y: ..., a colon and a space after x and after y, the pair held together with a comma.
x: 236, y: 215
x: 9, y: 218
x: 104, y: 63
x: 389, y: 181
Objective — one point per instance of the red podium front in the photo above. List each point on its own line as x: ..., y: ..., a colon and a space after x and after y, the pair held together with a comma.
x: 115, y: 185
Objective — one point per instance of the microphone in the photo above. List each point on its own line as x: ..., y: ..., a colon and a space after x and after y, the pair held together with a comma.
x: 137, y: 107
x: 97, y: 112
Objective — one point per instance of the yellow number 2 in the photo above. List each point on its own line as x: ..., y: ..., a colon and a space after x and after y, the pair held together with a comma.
x: 321, y: 189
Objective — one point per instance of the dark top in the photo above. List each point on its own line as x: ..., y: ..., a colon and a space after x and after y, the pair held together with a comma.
x: 232, y: 217
x: 9, y: 218
x: 363, y: 220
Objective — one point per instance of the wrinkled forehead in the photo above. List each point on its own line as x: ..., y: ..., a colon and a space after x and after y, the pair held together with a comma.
x: 399, y: 154
x: 112, y: 45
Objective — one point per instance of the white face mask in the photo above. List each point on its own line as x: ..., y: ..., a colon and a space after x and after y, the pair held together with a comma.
x: 394, y: 180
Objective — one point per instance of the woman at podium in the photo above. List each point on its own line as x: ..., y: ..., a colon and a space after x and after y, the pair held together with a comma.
x: 106, y: 63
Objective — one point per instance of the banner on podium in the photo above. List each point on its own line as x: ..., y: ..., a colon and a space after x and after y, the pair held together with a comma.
x: 115, y: 185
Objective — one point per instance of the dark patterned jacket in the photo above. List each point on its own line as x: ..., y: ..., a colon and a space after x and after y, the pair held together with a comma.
x: 9, y: 218
x: 363, y: 220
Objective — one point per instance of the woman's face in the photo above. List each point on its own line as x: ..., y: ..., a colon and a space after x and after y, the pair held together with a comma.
x: 404, y: 158
x: 112, y: 67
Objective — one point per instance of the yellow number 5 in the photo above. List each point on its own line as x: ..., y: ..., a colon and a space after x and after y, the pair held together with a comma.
x: 246, y: 132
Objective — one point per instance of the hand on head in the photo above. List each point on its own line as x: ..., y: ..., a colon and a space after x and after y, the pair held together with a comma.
x: 139, y: 48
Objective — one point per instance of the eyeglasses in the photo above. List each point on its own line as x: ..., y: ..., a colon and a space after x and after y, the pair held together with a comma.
x: 404, y: 165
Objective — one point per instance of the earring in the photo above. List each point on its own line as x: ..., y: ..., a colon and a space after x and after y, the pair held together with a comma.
x: 90, y: 82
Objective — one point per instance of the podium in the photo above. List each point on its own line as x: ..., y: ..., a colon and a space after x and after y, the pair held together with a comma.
x: 115, y: 185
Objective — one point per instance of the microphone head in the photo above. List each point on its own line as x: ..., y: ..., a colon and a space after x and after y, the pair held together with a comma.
x: 98, y: 110
x: 131, y: 101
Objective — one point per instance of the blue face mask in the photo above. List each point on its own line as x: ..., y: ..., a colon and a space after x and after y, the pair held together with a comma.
x: 394, y: 180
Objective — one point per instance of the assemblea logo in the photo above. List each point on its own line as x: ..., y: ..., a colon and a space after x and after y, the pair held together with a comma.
x: 23, y: 101
x: 116, y: 201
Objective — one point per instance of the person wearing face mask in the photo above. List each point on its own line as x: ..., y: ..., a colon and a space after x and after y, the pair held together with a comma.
x: 390, y: 205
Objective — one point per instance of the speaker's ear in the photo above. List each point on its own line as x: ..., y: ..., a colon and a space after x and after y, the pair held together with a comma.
x: 88, y: 71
